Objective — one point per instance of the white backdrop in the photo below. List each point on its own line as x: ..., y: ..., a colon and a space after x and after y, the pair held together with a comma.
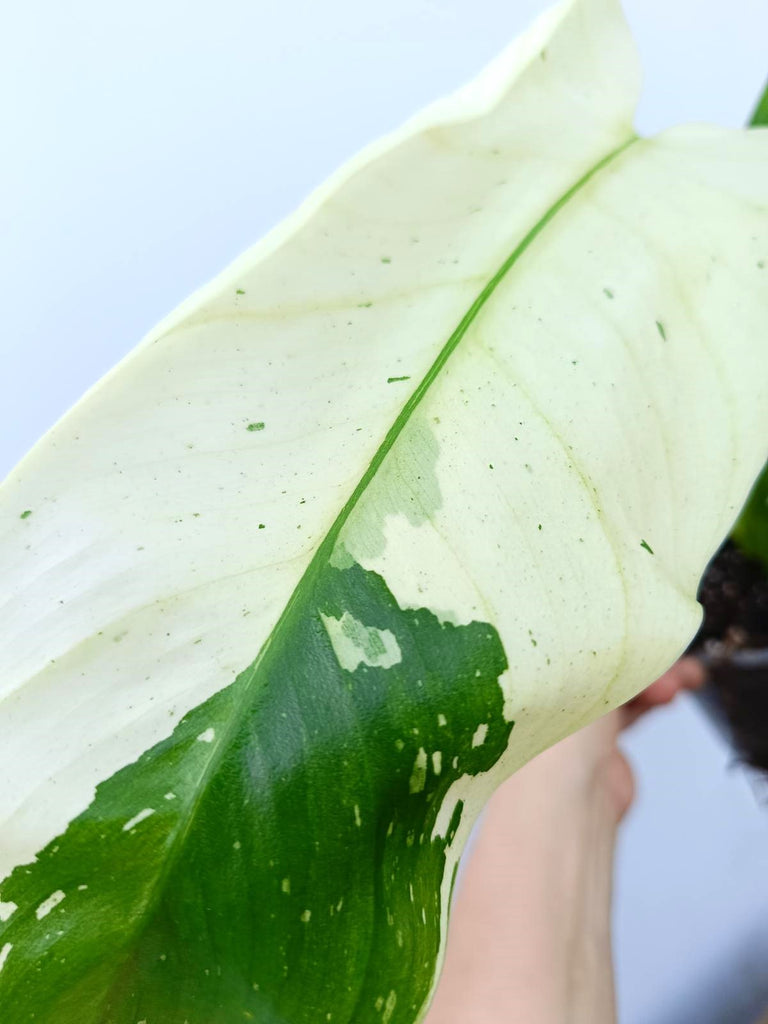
x: 144, y: 145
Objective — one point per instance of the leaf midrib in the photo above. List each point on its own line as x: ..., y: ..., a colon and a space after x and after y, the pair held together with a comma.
x: 445, y: 353
x: 325, y: 548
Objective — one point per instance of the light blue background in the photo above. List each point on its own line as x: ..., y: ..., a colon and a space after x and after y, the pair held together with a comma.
x: 144, y: 145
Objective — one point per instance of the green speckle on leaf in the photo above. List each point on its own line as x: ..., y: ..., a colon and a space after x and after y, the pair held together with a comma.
x: 660, y: 329
x: 647, y: 546
x: 364, y: 305
x: 760, y: 264
x: 239, y: 291
x: 394, y: 380
x: 386, y: 259
x: 26, y: 513
x: 262, y: 526
x: 255, y: 426
x: 539, y: 525
x: 608, y: 293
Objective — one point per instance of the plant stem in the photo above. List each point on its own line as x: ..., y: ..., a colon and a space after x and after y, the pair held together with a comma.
x: 760, y: 115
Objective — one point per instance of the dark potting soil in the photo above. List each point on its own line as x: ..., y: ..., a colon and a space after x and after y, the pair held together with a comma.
x: 733, y: 643
x: 734, y: 593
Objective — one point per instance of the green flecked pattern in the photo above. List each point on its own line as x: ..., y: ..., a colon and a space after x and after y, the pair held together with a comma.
x: 287, y: 864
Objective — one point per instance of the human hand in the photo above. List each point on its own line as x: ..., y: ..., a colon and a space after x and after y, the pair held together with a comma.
x: 530, y: 933
x: 592, y: 755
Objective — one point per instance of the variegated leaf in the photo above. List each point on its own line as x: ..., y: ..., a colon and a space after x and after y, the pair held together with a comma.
x: 419, y: 485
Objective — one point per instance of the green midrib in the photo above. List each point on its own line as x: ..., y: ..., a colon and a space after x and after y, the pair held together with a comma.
x: 448, y: 348
x: 325, y: 549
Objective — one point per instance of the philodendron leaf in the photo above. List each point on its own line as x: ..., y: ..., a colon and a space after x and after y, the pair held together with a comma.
x: 420, y: 484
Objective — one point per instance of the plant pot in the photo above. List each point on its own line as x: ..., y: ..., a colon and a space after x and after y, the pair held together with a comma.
x: 736, y: 697
x: 732, y: 644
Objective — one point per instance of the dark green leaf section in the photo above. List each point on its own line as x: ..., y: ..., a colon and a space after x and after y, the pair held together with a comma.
x: 287, y: 872
x: 751, y: 529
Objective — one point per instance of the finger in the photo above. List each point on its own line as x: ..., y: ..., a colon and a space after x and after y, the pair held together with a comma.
x: 685, y: 674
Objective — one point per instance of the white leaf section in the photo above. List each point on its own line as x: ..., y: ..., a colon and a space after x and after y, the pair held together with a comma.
x: 7, y: 910
x: 357, y: 644
x: 138, y: 818
x: 49, y: 904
